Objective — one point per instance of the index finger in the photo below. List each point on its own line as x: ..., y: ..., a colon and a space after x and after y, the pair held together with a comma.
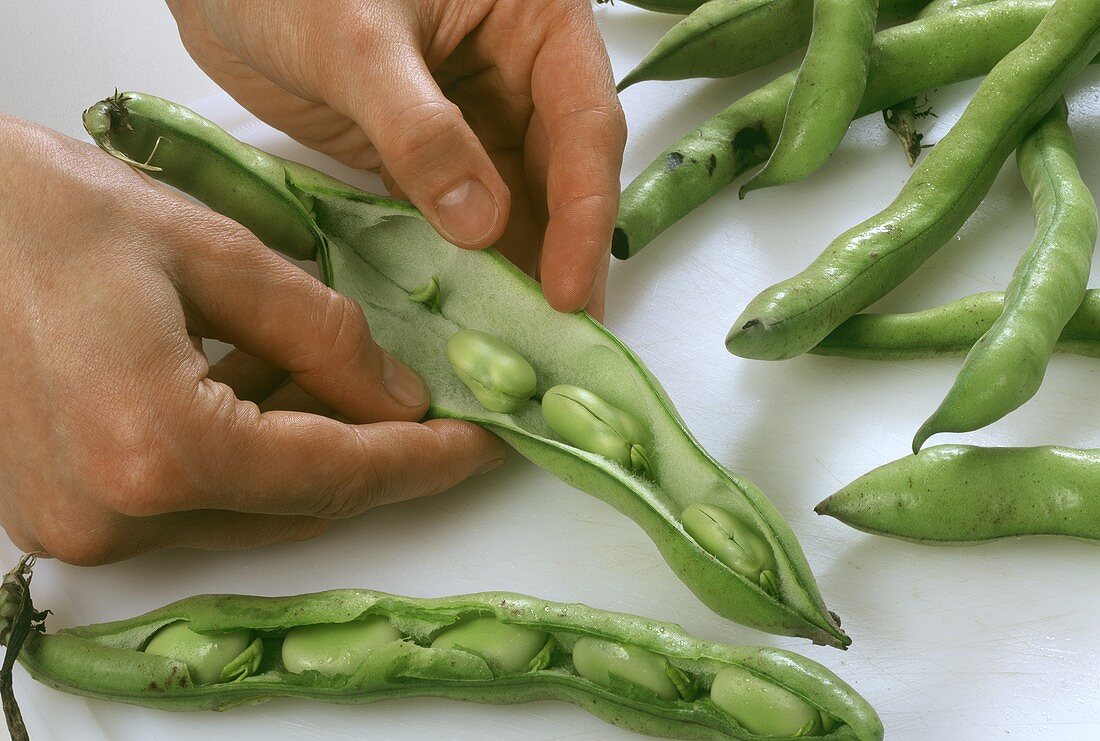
x: 575, y: 101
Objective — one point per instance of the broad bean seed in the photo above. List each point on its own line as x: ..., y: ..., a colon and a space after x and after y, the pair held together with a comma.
x: 335, y: 648
x: 500, y: 378
x: 209, y: 657
x: 586, y: 421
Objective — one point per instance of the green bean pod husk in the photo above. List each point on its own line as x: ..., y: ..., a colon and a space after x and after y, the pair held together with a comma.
x: 963, y: 494
x: 107, y: 661
x: 352, y: 236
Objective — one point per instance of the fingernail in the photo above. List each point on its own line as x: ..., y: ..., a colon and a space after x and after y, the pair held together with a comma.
x: 489, y: 466
x: 468, y: 214
x: 402, y: 384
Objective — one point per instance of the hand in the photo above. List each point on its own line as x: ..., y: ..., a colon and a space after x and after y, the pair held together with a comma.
x: 497, y: 118
x: 119, y: 438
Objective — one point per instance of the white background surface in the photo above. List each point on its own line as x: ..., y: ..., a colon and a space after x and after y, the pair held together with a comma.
x: 989, y: 642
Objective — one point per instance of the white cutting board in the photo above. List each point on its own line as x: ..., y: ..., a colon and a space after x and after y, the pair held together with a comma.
x: 996, y: 641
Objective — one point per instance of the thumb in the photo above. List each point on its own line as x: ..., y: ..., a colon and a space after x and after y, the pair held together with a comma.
x: 426, y: 145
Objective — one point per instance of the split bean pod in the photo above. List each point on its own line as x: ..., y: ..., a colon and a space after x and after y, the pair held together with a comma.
x: 359, y: 646
x: 619, y: 438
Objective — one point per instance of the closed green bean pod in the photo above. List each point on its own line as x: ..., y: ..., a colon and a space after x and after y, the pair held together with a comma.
x: 724, y: 38
x: 481, y: 290
x: 905, y: 61
x: 949, y: 330
x: 826, y: 93
x: 869, y: 260
x: 108, y: 661
x: 961, y: 494
x: 1006, y: 366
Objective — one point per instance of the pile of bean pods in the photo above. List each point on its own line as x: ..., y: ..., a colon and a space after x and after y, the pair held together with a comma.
x: 1029, y: 52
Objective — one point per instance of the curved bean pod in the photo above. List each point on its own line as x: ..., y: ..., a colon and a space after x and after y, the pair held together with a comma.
x: 949, y: 330
x: 905, y: 61
x: 108, y: 661
x: 961, y: 494
x: 1006, y: 366
x: 724, y: 38
x: 867, y: 261
x: 480, y: 290
x: 827, y: 92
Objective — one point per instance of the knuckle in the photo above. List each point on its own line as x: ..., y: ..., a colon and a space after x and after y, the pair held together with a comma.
x: 351, y: 28
x: 132, y: 479
x: 341, y: 336
x: 357, y: 491
x: 422, y: 134
x: 222, y: 241
x: 562, y: 14
x: 383, y: 471
x: 221, y: 428
x: 345, y: 327
x: 601, y: 119
x: 587, y: 207
x: 304, y: 529
x: 91, y: 543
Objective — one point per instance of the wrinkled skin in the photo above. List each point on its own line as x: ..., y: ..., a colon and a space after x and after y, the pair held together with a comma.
x: 515, y: 96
